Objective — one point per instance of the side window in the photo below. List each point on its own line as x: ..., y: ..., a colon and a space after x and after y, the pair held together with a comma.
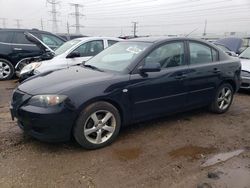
x: 111, y: 42
x: 90, y: 48
x: 6, y: 36
x: 168, y: 55
x: 51, y: 40
x: 21, y: 39
x: 200, y: 53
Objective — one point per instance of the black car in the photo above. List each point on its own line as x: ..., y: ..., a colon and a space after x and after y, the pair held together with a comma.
x: 131, y: 81
x: 14, y: 46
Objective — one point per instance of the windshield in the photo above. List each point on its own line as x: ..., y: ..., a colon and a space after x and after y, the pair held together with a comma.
x: 119, y: 56
x: 66, y: 46
x: 245, y: 54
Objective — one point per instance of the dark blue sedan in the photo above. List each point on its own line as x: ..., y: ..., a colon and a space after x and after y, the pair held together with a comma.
x: 131, y: 81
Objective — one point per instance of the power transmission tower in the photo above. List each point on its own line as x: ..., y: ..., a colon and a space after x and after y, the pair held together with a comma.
x: 18, y: 23
x: 3, y: 22
x: 54, y: 14
x: 205, y: 29
x: 77, y: 16
x: 42, y: 26
x: 135, y: 28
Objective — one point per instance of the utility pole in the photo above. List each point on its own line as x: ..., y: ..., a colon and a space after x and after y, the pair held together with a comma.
x: 77, y: 16
x: 18, y: 23
x: 3, y: 22
x: 68, y: 27
x: 134, y: 28
x: 42, y: 24
x: 54, y: 14
x: 205, y: 29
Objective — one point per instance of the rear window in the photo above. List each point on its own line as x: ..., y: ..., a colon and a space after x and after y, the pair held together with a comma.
x: 20, y: 38
x: 6, y: 36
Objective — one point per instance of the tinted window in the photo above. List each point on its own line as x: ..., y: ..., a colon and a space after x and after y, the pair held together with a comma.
x: 200, y: 53
x: 20, y: 38
x: 5, y: 36
x: 51, y: 40
x: 111, y: 42
x: 168, y: 55
x: 90, y: 48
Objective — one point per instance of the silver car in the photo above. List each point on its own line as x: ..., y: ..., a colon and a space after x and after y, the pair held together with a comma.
x: 71, y: 53
x: 245, y: 73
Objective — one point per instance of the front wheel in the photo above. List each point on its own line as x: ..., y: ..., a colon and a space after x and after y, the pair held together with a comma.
x: 223, y: 99
x: 97, y: 126
x: 6, y: 69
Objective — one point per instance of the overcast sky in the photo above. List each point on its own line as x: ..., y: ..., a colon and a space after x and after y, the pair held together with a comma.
x: 115, y: 17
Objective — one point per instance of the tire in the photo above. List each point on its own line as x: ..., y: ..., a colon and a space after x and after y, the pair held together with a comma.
x: 97, y: 126
x: 7, y: 70
x: 223, y: 99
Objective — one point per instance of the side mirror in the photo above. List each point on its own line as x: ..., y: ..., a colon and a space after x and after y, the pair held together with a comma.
x: 74, y: 54
x: 150, y: 67
x: 231, y: 53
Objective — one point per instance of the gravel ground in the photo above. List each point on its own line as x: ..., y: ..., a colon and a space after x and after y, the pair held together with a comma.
x: 167, y: 152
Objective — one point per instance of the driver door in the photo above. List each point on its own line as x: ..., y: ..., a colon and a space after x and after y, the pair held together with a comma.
x: 158, y: 93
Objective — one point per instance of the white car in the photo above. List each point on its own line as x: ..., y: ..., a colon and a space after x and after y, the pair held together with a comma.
x: 71, y: 53
x: 245, y: 72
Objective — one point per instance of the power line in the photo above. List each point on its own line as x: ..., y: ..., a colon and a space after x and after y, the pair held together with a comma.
x: 3, y: 22
x: 77, y: 16
x: 54, y: 14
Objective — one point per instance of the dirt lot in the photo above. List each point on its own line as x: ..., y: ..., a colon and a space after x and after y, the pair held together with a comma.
x: 171, y: 152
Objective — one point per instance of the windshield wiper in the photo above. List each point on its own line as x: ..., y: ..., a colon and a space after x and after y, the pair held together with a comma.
x: 245, y: 57
x: 93, y: 67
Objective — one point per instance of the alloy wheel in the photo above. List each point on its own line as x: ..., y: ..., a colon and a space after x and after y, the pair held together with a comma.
x: 224, y: 98
x: 99, y: 127
x: 5, y: 70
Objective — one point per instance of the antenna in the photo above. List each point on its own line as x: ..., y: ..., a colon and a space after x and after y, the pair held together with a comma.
x: 54, y: 14
x: 191, y: 32
x: 77, y: 16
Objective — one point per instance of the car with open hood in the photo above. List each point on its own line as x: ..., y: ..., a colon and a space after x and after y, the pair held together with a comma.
x: 71, y: 53
x: 131, y: 81
x: 245, y: 73
x: 15, y: 46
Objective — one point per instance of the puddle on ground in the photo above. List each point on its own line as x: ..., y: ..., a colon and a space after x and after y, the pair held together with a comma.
x: 127, y: 154
x: 222, y: 157
x: 195, y: 152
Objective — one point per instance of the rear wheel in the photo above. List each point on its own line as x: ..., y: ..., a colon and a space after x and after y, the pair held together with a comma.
x: 223, y: 99
x: 6, y: 69
x: 97, y: 126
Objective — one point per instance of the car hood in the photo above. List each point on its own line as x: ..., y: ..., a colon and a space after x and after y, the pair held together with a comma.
x: 245, y: 64
x: 61, y: 80
x: 33, y: 39
x: 232, y: 43
x: 59, y: 62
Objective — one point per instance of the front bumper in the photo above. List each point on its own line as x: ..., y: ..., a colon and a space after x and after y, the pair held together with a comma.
x: 53, y: 124
x: 245, y: 83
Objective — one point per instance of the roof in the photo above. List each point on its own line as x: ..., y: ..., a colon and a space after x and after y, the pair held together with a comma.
x: 159, y: 39
x: 98, y: 38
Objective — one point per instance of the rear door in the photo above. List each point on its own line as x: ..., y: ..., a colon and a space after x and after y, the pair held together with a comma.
x: 204, y: 73
x: 22, y: 48
x: 158, y: 93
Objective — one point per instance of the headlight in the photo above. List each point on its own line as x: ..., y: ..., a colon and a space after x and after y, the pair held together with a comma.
x: 30, y: 67
x: 245, y: 74
x: 46, y: 100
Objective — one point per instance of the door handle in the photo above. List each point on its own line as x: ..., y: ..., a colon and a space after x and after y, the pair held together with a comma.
x: 18, y: 49
x: 180, y: 76
x: 216, y: 70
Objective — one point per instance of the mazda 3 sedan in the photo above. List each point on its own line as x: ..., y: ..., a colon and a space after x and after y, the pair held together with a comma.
x: 131, y: 81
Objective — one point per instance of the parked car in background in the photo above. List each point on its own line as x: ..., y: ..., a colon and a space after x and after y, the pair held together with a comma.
x: 226, y: 50
x: 245, y: 73
x: 14, y: 46
x: 233, y: 44
x: 70, y: 36
x: 131, y: 81
x: 71, y: 53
